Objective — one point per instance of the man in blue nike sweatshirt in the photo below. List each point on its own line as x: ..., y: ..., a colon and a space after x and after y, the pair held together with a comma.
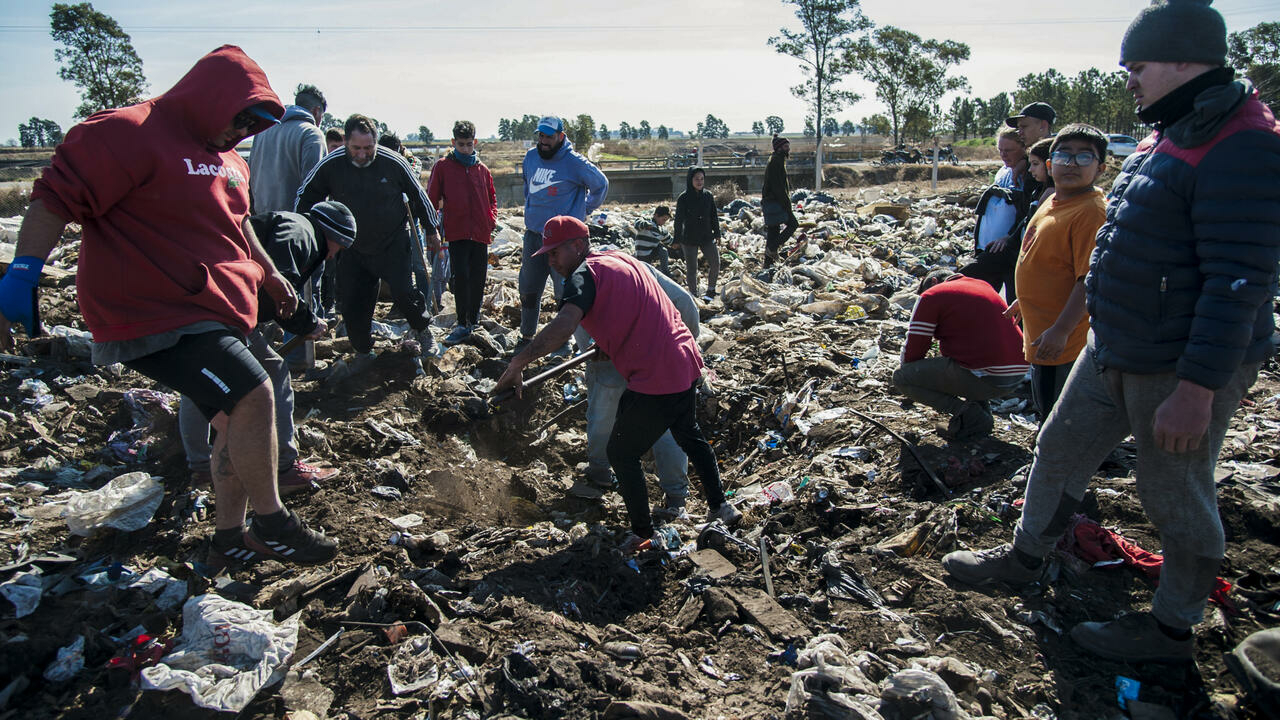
x: 557, y: 181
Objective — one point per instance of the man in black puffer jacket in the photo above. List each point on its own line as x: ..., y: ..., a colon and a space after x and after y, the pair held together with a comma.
x: 1179, y: 292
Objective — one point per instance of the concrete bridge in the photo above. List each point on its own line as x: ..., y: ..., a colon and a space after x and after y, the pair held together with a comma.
x: 659, y: 180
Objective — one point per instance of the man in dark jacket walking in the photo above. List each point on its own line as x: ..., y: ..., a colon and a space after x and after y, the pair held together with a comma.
x: 1179, y: 292
x: 775, y: 201
x: 372, y: 180
x: 697, y: 227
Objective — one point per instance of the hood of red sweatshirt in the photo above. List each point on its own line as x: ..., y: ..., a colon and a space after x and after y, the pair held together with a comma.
x: 215, y: 90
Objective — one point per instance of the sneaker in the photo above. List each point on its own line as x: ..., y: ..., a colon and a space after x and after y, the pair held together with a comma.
x: 458, y: 334
x: 296, y: 543
x: 672, y: 510
x: 972, y: 421
x: 201, y: 479
x: 221, y: 556
x: 999, y: 564
x: 726, y: 513
x: 633, y: 544
x: 601, y: 477
x: 521, y: 344
x: 302, y: 476
x: 1133, y: 638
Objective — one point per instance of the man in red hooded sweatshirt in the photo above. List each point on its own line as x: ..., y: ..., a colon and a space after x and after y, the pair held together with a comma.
x: 169, y: 273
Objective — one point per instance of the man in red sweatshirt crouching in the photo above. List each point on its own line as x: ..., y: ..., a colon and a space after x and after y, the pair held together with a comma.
x: 169, y: 273
x: 981, y: 352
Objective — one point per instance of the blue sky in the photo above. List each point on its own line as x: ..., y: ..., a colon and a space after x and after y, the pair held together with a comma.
x: 666, y: 61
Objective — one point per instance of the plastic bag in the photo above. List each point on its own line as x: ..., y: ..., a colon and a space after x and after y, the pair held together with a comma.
x: 227, y: 653
x: 68, y: 664
x: 920, y: 693
x: 126, y: 503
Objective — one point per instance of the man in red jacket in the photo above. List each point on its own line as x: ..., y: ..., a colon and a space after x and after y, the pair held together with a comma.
x: 461, y: 188
x: 981, y: 352
x: 169, y: 273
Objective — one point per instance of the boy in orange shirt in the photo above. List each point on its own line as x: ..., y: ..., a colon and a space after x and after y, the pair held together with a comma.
x: 1054, y: 260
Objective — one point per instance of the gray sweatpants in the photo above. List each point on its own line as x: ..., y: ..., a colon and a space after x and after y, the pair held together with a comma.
x: 1097, y: 410
x: 194, y: 428
x: 941, y: 382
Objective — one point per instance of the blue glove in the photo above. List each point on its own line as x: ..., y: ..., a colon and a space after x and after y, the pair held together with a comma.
x: 18, y: 293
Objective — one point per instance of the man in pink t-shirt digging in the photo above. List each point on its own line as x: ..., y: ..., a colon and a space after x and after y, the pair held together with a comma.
x: 615, y: 299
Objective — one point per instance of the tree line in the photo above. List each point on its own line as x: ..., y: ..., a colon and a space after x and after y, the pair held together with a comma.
x: 910, y: 74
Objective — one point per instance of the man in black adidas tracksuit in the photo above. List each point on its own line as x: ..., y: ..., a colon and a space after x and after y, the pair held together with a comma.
x: 372, y: 181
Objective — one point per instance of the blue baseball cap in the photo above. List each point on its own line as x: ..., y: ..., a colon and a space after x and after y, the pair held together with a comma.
x: 550, y: 125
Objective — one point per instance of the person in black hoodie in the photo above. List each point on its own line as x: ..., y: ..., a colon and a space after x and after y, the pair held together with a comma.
x: 698, y: 226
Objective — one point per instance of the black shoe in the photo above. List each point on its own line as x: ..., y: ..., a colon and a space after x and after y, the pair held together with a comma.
x: 295, y: 543
x: 997, y: 565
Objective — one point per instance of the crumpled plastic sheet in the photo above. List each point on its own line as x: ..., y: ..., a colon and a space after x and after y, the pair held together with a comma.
x: 227, y: 653
x: 412, y: 668
x: 68, y: 663
x: 23, y: 590
x: 126, y: 503
x: 845, y: 582
x: 830, y: 685
x: 169, y: 591
x: 388, y: 431
x: 920, y: 693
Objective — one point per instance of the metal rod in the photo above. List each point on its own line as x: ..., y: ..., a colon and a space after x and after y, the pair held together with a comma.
x: 915, y: 453
x: 323, y: 646
x: 764, y: 564
x: 547, y: 374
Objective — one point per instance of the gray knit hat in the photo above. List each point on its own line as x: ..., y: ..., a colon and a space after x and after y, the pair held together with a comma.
x: 337, y: 221
x: 1176, y: 31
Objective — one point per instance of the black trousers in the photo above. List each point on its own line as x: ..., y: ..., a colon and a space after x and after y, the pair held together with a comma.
x: 642, y: 419
x: 777, y: 236
x: 996, y: 269
x: 470, y: 261
x: 358, y: 276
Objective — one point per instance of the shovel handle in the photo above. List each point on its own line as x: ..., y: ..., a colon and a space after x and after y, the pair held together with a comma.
x: 572, y: 362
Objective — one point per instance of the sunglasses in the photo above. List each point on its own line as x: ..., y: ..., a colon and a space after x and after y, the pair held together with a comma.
x: 244, y: 120
x: 1082, y: 159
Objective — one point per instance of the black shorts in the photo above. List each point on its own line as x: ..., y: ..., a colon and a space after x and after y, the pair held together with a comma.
x: 215, y: 369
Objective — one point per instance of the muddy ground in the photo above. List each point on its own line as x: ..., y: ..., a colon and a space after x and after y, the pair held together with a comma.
x: 528, y: 590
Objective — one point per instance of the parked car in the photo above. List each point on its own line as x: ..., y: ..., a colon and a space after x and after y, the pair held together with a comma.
x: 1121, y: 146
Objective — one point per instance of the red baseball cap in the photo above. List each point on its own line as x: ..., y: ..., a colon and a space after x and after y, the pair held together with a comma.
x: 560, y: 230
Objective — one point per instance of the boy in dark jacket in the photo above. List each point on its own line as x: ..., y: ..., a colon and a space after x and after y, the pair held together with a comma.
x: 461, y: 188
x: 698, y: 228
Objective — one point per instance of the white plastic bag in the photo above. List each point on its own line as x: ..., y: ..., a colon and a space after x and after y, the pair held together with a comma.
x: 126, y: 503
x: 227, y: 653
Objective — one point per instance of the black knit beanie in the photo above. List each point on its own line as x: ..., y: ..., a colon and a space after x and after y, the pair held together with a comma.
x: 778, y: 140
x: 1176, y: 31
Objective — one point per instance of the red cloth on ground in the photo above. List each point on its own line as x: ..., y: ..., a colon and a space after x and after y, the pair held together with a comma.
x: 1093, y: 543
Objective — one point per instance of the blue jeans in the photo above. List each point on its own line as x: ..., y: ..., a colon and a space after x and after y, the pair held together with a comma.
x: 604, y: 391
x: 533, y: 282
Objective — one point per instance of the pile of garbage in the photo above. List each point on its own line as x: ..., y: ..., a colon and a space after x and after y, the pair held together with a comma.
x: 478, y: 580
